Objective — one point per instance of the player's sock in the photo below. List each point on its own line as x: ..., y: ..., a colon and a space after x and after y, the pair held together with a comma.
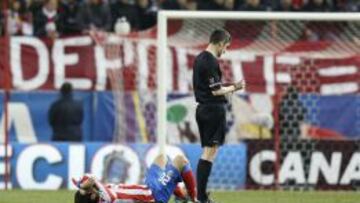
x: 202, y: 174
x: 179, y: 193
x: 189, y: 180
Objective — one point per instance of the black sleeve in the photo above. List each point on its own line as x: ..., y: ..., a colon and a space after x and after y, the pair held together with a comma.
x: 213, y: 76
x: 60, y: 23
x: 39, y: 25
x: 82, y: 17
x: 107, y: 17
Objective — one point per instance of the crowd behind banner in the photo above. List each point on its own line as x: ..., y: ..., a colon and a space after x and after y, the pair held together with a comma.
x: 56, y: 18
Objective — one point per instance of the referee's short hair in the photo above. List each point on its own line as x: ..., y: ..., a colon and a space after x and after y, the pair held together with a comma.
x: 220, y: 35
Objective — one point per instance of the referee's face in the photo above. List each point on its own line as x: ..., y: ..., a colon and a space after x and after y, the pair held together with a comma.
x: 222, y: 47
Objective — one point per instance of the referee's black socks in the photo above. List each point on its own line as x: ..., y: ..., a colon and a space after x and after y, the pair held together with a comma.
x: 202, y: 176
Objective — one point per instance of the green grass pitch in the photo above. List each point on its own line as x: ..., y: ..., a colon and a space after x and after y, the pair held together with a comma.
x: 63, y: 196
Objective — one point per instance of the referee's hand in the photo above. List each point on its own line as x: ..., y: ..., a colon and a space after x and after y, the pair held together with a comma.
x: 240, y: 85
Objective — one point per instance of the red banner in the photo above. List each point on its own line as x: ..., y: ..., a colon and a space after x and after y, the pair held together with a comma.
x: 37, y: 64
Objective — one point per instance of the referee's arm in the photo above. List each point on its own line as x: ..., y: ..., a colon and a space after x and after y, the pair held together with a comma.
x: 220, y: 90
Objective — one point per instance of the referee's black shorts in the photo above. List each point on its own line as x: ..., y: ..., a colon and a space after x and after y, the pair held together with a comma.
x: 211, y: 120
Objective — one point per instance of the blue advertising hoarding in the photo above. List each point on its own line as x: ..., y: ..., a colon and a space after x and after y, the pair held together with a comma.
x: 51, y: 166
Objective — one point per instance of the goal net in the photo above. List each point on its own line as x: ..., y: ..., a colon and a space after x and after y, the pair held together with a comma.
x: 301, y: 105
x: 131, y: 77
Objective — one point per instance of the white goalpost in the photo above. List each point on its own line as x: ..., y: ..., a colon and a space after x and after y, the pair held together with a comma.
x: 163, y: 44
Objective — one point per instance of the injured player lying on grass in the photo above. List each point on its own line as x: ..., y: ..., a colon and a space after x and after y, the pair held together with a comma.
x: 161, y: 181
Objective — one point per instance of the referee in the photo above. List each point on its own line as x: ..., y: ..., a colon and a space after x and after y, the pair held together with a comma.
x: 210, y: 112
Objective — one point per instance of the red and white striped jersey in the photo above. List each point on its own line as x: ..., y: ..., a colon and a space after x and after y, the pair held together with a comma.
x: 111, y: 193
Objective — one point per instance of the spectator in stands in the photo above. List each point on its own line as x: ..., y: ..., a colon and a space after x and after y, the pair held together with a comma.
x: 318, y: 6
x: 95, y: 15
x: 298, y: 5
x: 175, y: 4
x: 2, y: 22
x: 252, y: 5
x: 171, y: 4
x: 340, y: 5
x: 210, y: 5
x: 356, y: 7
x: 347, y: 5
x: 191, y: 5
x: 19, y: 21
x: 147, y: 14
x: 126, y: 10
x: 66, y: 116
x: 69, y: 11
x: 34, y: 6
x: 47, y: 20
x: 270, y: 5
x: 179, y: 5
x: 287, y: 6
x: 229, y: 5
x: 14, y: 19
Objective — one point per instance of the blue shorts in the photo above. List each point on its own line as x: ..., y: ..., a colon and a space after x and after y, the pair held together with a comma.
x: 162, y: 182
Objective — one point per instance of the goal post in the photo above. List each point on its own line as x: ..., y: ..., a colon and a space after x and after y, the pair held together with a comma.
x: 256, y: 15
x: 161, y: 79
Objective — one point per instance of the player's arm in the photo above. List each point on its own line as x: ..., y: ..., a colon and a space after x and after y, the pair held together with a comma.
x: 86, y: 186
x: 225, y: 89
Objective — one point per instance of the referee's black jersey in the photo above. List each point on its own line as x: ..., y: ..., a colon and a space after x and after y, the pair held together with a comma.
x: 207, y: 78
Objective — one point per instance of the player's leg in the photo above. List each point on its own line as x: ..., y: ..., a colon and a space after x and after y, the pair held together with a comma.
x: 112, y: 192
x: 140, y: 193
x: 209, y: 153
x: 179, y: 192
x: 161, y: 160
x: 203, y: 171
x: 212, y: 123
x: 180, y: 161
x: 183, y: 166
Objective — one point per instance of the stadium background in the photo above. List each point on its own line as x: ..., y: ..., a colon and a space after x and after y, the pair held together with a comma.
x: 314, y: 100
